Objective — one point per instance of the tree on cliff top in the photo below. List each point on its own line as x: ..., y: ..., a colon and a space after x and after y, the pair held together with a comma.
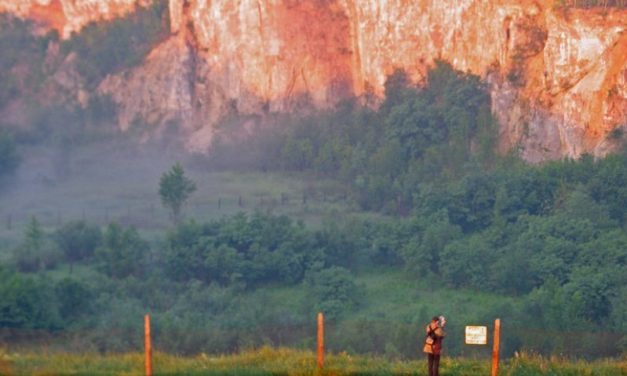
x: 174, y: 189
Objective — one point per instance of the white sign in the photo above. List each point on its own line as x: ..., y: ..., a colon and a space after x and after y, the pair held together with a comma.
x: 476, y: 335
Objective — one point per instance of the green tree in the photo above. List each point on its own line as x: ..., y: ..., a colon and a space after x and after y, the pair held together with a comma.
x: 422, y: 253
x: 257, y: 249
x: 78, y: 241
x: 334, y: 291
x: 26, y: 302
x: 174, y: 189
x: 34, y: 235
x: 123, y: 252
x: 73, y: 299
x: 28, y: 254
x: 590, y: 292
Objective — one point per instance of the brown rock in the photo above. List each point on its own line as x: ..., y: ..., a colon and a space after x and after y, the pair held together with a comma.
x: 558, y: 78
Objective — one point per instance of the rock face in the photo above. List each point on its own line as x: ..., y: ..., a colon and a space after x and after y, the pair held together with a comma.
x: 558, y: 77
x: 70, y: 15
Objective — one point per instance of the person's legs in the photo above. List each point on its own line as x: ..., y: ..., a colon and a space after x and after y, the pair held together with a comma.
x: 430, y: 359
x: 436, y: 365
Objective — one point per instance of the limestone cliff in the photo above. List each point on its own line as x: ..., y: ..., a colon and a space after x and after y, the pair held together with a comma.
x: 558, y: 78
x: 70, y: 15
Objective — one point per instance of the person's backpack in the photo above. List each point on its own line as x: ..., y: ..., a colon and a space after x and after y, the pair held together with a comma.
x: 430, y: 337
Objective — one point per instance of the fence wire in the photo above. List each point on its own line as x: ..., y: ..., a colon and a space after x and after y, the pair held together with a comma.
x: 395, y: 340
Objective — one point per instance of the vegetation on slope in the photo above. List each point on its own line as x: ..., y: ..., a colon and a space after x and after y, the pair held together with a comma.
x: 105, y: 48
x: 590, y: 3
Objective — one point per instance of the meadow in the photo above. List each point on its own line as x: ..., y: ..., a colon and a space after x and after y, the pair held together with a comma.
x: 283, y: 361
x: 101, y: 183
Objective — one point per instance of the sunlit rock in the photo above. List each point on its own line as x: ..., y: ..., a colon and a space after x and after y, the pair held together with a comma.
x: 558, y: 77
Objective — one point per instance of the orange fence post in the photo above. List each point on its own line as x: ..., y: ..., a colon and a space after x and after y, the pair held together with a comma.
x: 147, y: 345
x: 495, y: 347
x: 320, y: 340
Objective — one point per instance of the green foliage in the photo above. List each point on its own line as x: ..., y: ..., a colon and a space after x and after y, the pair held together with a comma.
x: 417, y: 134
x: 29, y: 58
x: 333, y: 291
x: 105, y: 48
x: 607, y: 184
x: 565, y: 4
x: 35, y: 252
x: 26, y: 302
x: 78, y: 240
x: 22, y: 58
x: 34, y: 234
x: 544, y: 238
x: 174, y: 190
x: 73, y: 298
x: 240, y: 249
x: 123, y: 252
x: 421, y: 253
x: 268, y: 361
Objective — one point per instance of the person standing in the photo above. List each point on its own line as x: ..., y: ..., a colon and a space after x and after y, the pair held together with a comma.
x: 433, y: 343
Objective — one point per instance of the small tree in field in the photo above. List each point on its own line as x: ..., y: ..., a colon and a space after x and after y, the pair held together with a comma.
x: 174, y: 189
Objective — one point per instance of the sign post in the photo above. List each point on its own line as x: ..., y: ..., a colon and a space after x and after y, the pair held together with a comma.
x: 320, y: 340
x: 495, y: 347
x: 476, y: 335
x: 147, y: 345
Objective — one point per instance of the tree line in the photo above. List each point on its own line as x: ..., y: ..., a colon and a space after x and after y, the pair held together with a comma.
x: 551, y: 236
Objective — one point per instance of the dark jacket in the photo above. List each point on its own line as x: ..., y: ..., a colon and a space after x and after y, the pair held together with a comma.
x: 436, y: 347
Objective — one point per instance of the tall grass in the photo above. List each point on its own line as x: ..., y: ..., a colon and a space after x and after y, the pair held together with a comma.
x: 269, y: 361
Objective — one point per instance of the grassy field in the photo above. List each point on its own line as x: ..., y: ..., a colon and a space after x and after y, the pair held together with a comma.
x: 396, y: 306
x: 268, y: 361
x: 111, y: 182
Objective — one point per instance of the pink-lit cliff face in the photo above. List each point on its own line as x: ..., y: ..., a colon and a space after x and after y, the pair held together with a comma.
x: 70, y: 15
x: 558, y: 79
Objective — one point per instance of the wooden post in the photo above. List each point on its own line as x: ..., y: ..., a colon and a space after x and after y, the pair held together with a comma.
x: 320, y: 340
x: 495, y: 347
x: 147, y: 345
